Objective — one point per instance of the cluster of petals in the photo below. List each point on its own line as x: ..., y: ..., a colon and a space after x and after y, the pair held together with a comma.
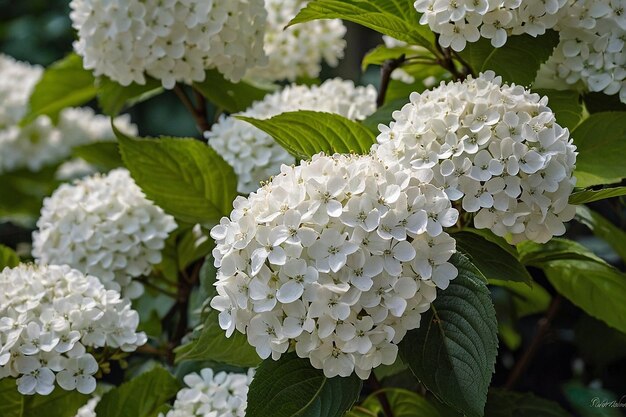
x: 591, y: 48
x: 460, y: 21
x: 495, y: 147
x: 254, y: 155
x: 337, y: 256
x: 170, y: 40
x: 103, y: 225
x: 49, y: 317
x: 41, y: 142
x: 210, y: 394
x: 298, y: 51
x: 89, y: 409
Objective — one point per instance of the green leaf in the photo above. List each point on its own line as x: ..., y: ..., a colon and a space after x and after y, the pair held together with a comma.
x: 453, y: 352
x: 403, y: 403
x: 566, y: 104
x: 59, y: 403
x: 143, y: 396
x: 212, y: 344
x: 185, y: 177
x: 228, y: 95
x: 8, y: 258
x: 526, y: 300
x: 517, y: 62
x: 381, y: 53
x: 396, y: 18
x: 601, y: 142
x: 383, y: 114
x: 65, y: 84
x: 589, y: 196
x: 604, y: 229
x: 291, y: 387
x: 501, y: 403
x: 491, y: 259
x: 113, y: 97
x: 104, y: 155
x: 536, y: 254
x: 305, y: 133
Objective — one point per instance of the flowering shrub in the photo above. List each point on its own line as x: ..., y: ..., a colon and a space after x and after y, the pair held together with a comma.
x: 391, y: 237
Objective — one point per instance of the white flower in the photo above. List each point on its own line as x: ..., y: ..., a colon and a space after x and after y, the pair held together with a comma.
x: 298, y: 51
x: 327, y: 263
x: 254, y: 155
x: 47, y: 317
x: 496, y: 147
x: 462, y: 21
x: 170, y: 40
x: 89, y: 409
x: 41, y: 143
x: 103, y: 225
x: 210, y: 394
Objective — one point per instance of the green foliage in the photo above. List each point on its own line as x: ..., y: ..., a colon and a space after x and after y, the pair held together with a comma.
x: 23, y: 192
x: 143, y: 396
x: 566, y: 104
x: 589, y: 196
x: 601, y: 142
x: 493, y: 261
x: 103, y: 155
x: 305, y: 133
x: 604, y: 229
x: 381, y: 53
x: 517, y: 61
x: 383, y: 114
x: 185, y: 177
x: 113, y: 97
x: 501, y: 403
x: 403, y: 403
x: 537, y: 254
x: 453, y: 352
x: 212, y: 345
x: 526, y: 299
x: 58, y: 404
x: 8, y: 258
x: 231, y: 97
x: 396, y: 18
x: 291, y: 387
x: 64, y: 84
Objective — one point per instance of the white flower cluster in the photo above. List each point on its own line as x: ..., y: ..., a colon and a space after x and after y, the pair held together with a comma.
x: 298, y: 51
x: 103, y: 225
x: 496, y: 147
x: 461, y: 21
x: 170, y: 40
x: 591, y: 47
x: 254, y: 154
x: 338, y: 256
x: 41, y: 143
x: 89, y: 409
x: 212, y: 394
x: 49, y: 315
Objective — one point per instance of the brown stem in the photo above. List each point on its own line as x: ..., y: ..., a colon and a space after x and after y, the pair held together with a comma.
x: 446, y: 61
x: 385, y: 77
x: 543, y: 326
x: 380, y: 394
x: 151, y: 350
x: 197, y: 113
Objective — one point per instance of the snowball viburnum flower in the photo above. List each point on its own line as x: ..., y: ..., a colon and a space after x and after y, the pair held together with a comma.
x: 41, y: 143
x: 298, y: 51
x: 335, y: 257
x: 591, y: 47
x: 103, y: 225
x: 48, y: 318
x: 495, y: 147
x: 461, y: 21
x: 254, y: 154
x: 210, y: 394
x: 170, y: 40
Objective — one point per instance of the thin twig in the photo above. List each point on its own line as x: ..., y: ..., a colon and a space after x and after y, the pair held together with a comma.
x: 543, y: 326
x: 385, y: 77
x: 201, y: 122
x: 381, y: 395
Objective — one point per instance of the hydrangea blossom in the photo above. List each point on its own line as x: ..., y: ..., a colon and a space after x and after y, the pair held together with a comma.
x: 103, y: 225
x: 170, y: 40
x: 337, y: 256
x: 254, y: 154
x: 495, y: 147
x: 41, y: 143
x: 591, y: 47
x: 49, y: 317
x: 210, y: 394
x: 298, y: 51
x: 460, y: 21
